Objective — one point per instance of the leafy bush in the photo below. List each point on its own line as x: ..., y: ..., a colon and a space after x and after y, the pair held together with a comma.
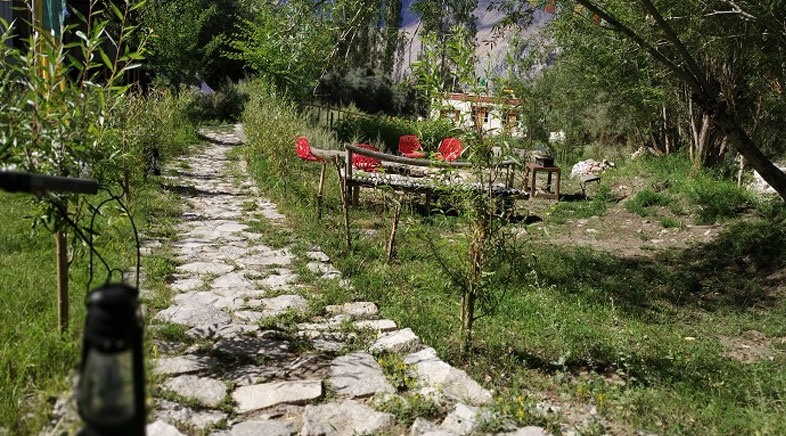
x: 369, y: 90
x: 224, y: 105
x: 390, y: 129
x: 716, y: 199
x: 642, y: 203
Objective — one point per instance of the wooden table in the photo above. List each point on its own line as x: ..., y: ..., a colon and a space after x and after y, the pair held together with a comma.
x: 530, y: 176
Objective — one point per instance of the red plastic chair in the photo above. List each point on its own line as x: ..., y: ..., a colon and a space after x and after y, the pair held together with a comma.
x: 409, y: 146
x: 365, y: 163
x: 303, y: 150
x: 450, y: 149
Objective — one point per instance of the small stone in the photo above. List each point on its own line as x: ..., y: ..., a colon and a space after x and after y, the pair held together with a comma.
x: 206, y: 299
x: 255, y: 397
x: 321, y: 268
x: 422, y: 426
x: 207, y: 391
x: 327, y: 346
x: 231, y: 227
x: 250, y: 375
x: 343, y: 419
x: 398, y: 341
x: 377, y: 325
x: 205, y: 268
x: 318, y: 256
x: 182, y: 364
x: 161, y: 428
x: 358, y: 310
x: 592, y: 231
x: 265, y: 428
x: 358, y: 375
x: 463, y: 420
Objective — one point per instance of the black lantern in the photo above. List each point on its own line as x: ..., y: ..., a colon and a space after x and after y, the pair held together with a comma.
x: 111, y: 394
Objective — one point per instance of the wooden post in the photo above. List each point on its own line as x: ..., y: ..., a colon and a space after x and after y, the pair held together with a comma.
x: 61, y: 247
x: 355, y: 196
x: 392, y: 241
x: 321, y: 189
x: 344, y: 200
x: 348, y: 175
x: 741, y: 171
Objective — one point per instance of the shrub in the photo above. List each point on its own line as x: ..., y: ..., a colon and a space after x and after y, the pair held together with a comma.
x: 642, y: 203
x: 390, y: 129
x: 716, y: 199
x: 223, y: 105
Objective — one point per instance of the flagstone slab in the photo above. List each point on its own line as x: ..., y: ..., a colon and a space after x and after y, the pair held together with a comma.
x: 262, y: 396
x: 178, y: 365
x: 271, y: 348
x: 358, y: 375
x: 172, y: 413
x: 347, y: 418
x: 205, y: 268
x: 222, y: 330
x: 207, y: 391
x: 265, y: 428
x: 356, y: 310
x: 451, y: 382
x: 399, y: 341
x: 192, y: 315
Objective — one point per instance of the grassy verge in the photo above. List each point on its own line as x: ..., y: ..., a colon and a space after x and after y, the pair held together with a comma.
x: 648, y: 343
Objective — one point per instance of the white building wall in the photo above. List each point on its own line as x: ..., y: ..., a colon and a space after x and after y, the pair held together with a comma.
x: 493, y: 123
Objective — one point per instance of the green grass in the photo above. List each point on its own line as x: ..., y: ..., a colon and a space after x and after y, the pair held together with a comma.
x: 643, y: 202
x: 34, y: 357
x: 596, y: 206
x: 636, y: 338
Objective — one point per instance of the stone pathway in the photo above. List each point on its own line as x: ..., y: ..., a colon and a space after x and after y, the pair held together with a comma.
x: 258, y: 356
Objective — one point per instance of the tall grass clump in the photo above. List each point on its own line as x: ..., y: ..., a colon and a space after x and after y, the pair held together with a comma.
x: 390, y: 129
x: 715, y: 199
x: 272, y: 123
x: 644, y: 200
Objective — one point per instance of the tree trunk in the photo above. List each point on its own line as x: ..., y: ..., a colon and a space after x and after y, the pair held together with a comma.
x: 391, y: 250
x: 745, y: 145
x: 61, y: 247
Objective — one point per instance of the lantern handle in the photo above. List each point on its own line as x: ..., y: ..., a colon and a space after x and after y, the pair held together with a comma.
x: 82, y: 236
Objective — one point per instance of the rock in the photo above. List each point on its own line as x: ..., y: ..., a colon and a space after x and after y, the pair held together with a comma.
x: 222, y: 330
x: 161, y: 428
x: 206, y: 299
x: 182, y: 364
x: 358, y: 375
x: 526, y: 431
x: 283, y: 280
x: 267, y: 259
x: 323, y: 269
x: 192, y: 315
x: 250, y: 374
x: 255, y: 397
x: 231, y: 281
x: 173, y: 412
x: 207, y: 391
x: 422, y: 426
x: 186, y: 284
x: 452, y: 382
x: 377, y: 325
x: 253, y: 346
x: 205, y: 268
x: 231, y: 227
x: 399, y: 341
x: 327, y: 346
x: 318, y: 256
x: 265, y: 428
x: 283, y: 303
x: 343, y: 419
x: 358, y: 310
x: 463, y: 420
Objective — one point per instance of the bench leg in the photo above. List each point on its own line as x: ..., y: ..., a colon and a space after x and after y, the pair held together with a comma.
x: 356, y: 196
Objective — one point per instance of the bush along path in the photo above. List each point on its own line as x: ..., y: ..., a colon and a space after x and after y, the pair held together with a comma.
x: 243, y: 346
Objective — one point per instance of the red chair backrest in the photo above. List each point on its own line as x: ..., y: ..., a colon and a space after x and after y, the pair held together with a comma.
x: 450, y: 149
x: 303, y: 150
x: 408, y: 144
x: 365, y: 163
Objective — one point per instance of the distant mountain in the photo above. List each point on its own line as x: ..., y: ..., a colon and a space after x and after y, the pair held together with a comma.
x: 487, y: 45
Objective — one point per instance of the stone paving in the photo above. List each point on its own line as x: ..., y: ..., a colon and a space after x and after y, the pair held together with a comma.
x: 236, y: 374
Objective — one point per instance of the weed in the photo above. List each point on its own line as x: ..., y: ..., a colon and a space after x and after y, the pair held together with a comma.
x: 716, y: 200
x: 642, y: 203
x: 398, y: 373
x: 409, y: 407
x: 669, y: 223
